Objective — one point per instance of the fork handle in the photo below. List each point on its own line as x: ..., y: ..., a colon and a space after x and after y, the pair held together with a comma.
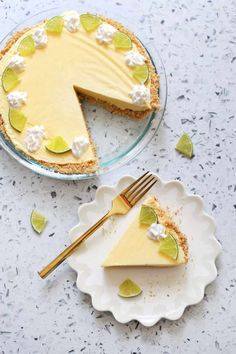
x: 71, y: 249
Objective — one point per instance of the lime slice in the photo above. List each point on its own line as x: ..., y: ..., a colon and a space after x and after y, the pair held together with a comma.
x: 26, y: 46
x: 17, y: 119
x: 57, y: 145
x: 141, y: 73
x: 121, y: 41
x: 169, y: 247
x: 55, y: 25
x: 147, y: 215
x: 129, y: 289
x: 38, y: 221
x: 9, y: 79
x: 185, y: 146
x: 90, y: 22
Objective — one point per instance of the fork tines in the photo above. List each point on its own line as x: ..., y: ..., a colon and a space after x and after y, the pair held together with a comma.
x: 136, y: 190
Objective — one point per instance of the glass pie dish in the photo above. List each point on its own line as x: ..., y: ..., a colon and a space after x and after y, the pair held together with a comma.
x: 117, y: 139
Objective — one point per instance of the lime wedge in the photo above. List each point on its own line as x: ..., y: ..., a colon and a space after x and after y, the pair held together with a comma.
x: 38, y: 221
x: 121, y: 41
x: 169, y: 247
x: 185, y: 146
x: 9, y: 79
x: 57, y: 145
x: 17, y: 119
x: 90, y: 22
x: 129, y: 289
x: 141, y: 73
x: 147, y: 215
x: 55, y: 25
x: 26, y: 46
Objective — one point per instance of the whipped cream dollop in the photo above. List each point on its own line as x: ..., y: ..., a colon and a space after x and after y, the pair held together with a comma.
x: 79, y: 146
x: 71, y: 21
x: 17, y: 98
x: 40, y: 38
x: 105, y: 33
x: 140, y: 94
x: 156, y: 232
x: 34, y: 138
x: 17, y: 63
x: 133, y: 58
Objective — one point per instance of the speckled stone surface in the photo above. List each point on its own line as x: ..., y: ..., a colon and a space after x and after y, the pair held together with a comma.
x: 197, y: 42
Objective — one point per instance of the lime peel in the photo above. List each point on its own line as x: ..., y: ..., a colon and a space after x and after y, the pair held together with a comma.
x: 90, y: 22
x: 121, y: 41
x: 9, y: 79
x: 57, y: 145
x: 185, y: 145
x: 169, y: 247
x: 141, y: 73
x: 26, y: 46
x: 17, y: 119
x: 54, y: 25
x: 128, y: 288
x: 147, y: 215
x: 38, y: 221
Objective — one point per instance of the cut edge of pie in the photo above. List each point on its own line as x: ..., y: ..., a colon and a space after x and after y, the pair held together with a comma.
x: 154, y: 80
x: 89, y: 166
x: 134, y: 248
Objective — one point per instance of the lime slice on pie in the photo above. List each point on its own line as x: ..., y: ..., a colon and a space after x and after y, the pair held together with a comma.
x: 17, y: 119
x: 169, y: 247
x: 90, y: 22
x: 129, y: 289
x: 185, y: 146
x: 57, y: 145
x: 121, y: 41
x: 55, y: 25
x: 38, y: 221
x: 9, y: 79
x: 147, y: 215
x: 141, y: 73
x: 26, y: 46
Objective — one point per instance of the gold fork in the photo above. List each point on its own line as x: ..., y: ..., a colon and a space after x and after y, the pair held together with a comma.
x: 121, y: 204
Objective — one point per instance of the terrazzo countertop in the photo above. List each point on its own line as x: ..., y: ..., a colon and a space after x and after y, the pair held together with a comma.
x: 197, y: 42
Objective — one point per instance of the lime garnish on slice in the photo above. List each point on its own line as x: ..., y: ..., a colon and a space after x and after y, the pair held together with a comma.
x: 57, y: 145
x: 90, y: 22
x: 147, y: 215
x: 121, y: 41
x: 38, y: 221
x: 17, y: 119
x: 129, y: 289
x: 55, y: 25
x: 169, y: 247
x: 141, y: 73
x: 26, y: 46
x: 185, y: 145
x: 9, y: 79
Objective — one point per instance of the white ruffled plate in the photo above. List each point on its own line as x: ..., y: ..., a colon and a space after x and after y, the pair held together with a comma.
x: 166, y: 291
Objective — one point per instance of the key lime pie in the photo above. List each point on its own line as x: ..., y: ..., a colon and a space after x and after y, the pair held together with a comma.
x: 152, y: 239
x: 46, y: 69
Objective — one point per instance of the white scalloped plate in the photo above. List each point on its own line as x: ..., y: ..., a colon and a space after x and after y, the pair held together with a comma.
x: 166, y: 291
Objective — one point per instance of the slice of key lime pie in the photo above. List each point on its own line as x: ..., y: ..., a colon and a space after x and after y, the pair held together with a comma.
x: 152, y: 239
x: 47, y: 68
